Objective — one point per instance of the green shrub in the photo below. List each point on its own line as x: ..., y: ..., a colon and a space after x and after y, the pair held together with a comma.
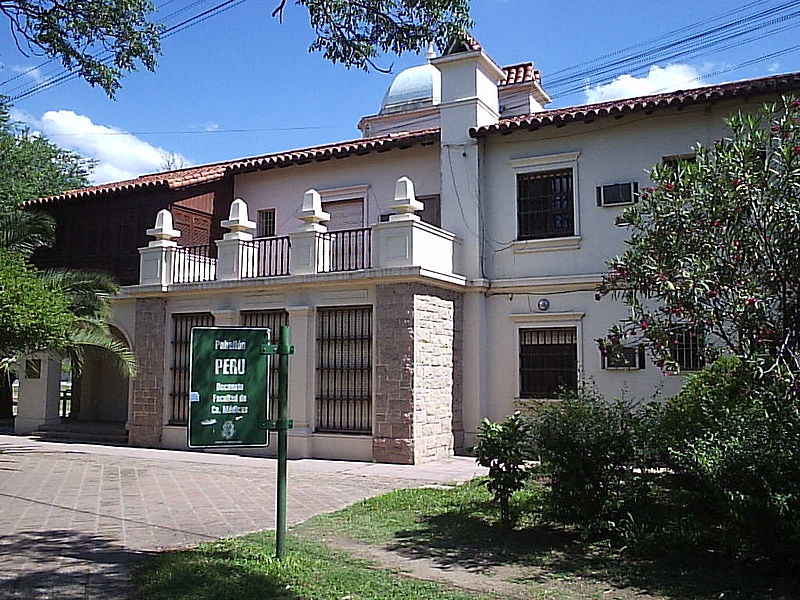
x: 504, y: 447
x: 593, y: 450
x: 735, y: 436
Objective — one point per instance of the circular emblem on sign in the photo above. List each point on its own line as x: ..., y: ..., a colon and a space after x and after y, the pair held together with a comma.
x: 227, y: 430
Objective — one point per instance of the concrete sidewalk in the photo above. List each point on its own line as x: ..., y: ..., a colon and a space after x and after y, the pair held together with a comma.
x: 75, y: 516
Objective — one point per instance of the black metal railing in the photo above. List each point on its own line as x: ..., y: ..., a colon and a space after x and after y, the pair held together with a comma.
x: 348, y: 250
x: 191, y: 264
x: 266, y: 257
x: 344, y: 370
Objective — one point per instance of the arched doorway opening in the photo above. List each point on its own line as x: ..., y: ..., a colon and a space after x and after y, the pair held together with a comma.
x: 98, y: 399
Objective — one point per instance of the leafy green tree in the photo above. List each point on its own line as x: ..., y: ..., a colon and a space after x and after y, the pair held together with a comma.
x: 33, y: 314
x: 62, y: 312
x: 102, y: 39
x: 715, y: 251
x: 85, y: 295
x: 31, y: 166
x: 715, y: 248
x: 354, y: 33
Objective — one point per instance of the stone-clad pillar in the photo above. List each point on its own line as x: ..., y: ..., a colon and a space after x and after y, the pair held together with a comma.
x: 393, y: 432
x: 150, y: 346
x: 418, y: 374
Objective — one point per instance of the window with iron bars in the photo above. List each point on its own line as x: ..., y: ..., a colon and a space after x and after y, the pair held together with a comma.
x: 548, y: 362
x: 344, y: 370
x: 545, y: 204
x: 687, y: 348
x: 273, y: 319
x: 182, y: 326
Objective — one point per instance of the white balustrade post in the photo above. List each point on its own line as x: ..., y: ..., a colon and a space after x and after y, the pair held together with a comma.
x: 392, y: 242
x: 310, y: 250
x: 236, y: 255
x: 405, y: 201
x: 155, y: 264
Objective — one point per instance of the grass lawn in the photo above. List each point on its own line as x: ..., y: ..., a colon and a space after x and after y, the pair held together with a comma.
x: 453, y: 533
x: 458, y: 527
x: 244, y: 569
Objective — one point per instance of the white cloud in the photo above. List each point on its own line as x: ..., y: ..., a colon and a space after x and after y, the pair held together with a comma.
x: 658, y: 79
x: 774, y: 67
x: 119, y: 155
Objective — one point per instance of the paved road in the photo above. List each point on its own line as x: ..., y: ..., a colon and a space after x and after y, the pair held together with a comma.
x: 73, y: 517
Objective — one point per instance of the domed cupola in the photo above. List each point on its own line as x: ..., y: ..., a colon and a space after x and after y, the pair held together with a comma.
x: 414, y: 88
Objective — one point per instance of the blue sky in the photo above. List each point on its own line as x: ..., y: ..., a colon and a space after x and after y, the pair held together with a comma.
x: 244, y: 71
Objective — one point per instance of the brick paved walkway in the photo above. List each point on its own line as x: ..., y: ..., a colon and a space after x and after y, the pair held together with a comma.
x: 74, y: 517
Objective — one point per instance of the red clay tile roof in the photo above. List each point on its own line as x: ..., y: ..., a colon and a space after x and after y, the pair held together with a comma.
x: 184, y: 178
x: 463, y: 43
x: 521, y: 73
x: 562, y: 116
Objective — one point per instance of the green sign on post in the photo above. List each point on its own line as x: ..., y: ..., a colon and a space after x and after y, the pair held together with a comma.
x: 229, y: 387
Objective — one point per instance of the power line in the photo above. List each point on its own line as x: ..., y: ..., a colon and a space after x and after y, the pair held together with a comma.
x: 745, y: 27
x: 41, y: 65
x: 107, y: 57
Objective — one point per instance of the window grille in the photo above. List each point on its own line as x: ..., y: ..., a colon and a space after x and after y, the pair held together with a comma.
x: 687, y: 350
x: 273, y: 319
x: 545, y: 205
x: 344, y: 370
x: 265, y: 225
x: 181, y: 347
x: 548, y: 362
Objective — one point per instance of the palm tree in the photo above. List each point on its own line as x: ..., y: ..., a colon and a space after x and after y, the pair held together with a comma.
x: 88, y: 293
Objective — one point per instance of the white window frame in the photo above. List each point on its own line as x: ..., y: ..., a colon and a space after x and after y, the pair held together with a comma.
x: 538, y: 164
x: 555, y: 320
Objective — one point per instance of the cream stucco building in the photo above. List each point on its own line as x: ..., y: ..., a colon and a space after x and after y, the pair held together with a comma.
x: 440, y: 270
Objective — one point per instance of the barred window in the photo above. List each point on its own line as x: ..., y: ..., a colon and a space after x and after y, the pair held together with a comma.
x: 265, y: 225
x: 344, y: 370
x: 182, y: 326
x: 272, y: 319
x: 687, y: 348
x: 545, y: 205
x: 548, y: 362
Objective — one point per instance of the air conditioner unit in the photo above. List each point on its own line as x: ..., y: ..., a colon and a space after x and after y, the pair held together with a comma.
x: 625, y: 359
x: 618, y: 194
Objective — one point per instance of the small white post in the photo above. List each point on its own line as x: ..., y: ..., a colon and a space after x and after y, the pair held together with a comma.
x: 155, y: 267
x: 405, y: 201
x: 310, y: 249
x: 236, y: 257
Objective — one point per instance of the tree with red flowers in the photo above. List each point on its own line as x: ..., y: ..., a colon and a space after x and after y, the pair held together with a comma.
x: 715, y: 249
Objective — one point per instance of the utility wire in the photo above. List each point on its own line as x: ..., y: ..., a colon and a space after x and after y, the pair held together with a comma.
x: 107, y: 57
x: 693, y: 52
x: 707, y: 39
x: 49, y: 61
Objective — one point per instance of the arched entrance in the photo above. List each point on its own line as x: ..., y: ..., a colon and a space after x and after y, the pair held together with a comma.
x: 99, y: 395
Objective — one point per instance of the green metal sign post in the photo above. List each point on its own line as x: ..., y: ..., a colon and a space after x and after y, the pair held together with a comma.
x: 229, y: 397
x: 283, y: 425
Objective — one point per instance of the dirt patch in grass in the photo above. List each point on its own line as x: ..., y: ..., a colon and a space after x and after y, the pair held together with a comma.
x: 509, y: 582
x: 452, y: 535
